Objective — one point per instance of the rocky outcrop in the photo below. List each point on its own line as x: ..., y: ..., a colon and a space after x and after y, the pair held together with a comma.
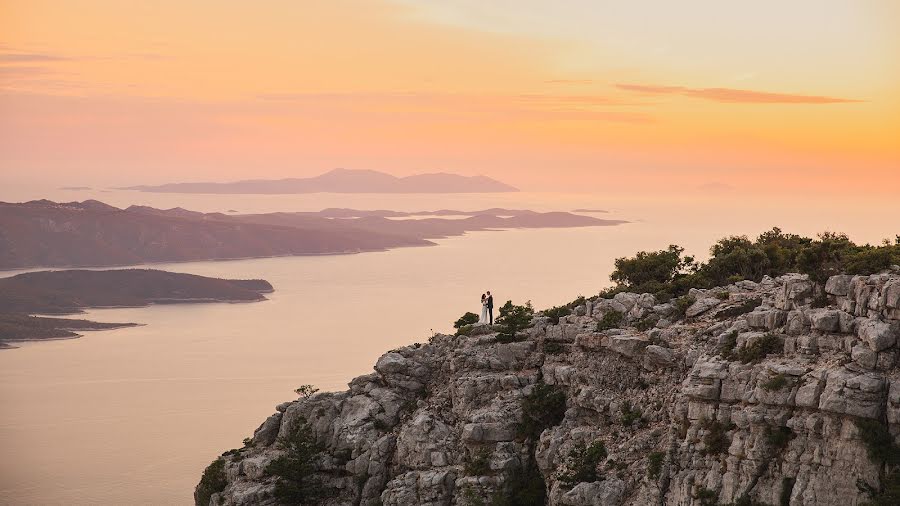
x: 752, y: 394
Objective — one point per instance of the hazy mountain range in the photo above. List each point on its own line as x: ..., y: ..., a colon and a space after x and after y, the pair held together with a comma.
x: 43, y: 233
x: 343, y: 181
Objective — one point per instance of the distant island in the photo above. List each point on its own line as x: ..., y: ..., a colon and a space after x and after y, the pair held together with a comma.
x: 43, y: 233
x: 592, y: 211
x: 72, y: 291
x: 342, y: 181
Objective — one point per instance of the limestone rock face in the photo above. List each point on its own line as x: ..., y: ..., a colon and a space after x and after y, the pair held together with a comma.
x: 687, y: 412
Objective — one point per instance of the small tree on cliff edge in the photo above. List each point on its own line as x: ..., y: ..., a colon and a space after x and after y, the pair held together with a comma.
x: 513, y: 319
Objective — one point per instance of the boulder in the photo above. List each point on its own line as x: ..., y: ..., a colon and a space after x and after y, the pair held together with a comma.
x: 658, y: 357
x: 877, y: 334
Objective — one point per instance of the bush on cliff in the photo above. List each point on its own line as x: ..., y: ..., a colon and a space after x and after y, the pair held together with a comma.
x: 556, y: 312
x: 294, y: 469
x: 610, y: 320
x: 544, y: 407
x: 467, y: 319
x: 513, y: 319
x: 581, y: 465
x: 212, y: 482
x: 668, y: 273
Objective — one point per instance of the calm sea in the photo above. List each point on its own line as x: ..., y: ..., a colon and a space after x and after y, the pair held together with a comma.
x: 132, y: 416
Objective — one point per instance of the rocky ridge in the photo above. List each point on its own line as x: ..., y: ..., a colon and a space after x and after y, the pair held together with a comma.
x: 756, y: 393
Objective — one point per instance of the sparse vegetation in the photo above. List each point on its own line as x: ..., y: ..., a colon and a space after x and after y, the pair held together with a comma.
x: 681, y: 305
x: 212, y: 482
x: 646, y: 323
x: 610, y: 320
x: 524, y: 487
x: 545, y: 407
x: 512, y: 320
x: 707, y: 497
x: 776, y: 382
x: 553, y: 347
x: 478, y: 463
x: 779, y: 437
x: 555, y: 313
x: 759, y: 349
x: 581, y: 465
x: 654, y: 464
x: 630, y: 415
x: 294, y: 469
x: 726, y: 349
x: 465, y: 320
x: 306, y: 391
x: 465, y: 330
x: 716, y: 439
x: 668, y: 273
x: 878, y: 442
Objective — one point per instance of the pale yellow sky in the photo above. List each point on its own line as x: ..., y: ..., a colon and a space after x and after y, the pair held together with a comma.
x: 536, y: 93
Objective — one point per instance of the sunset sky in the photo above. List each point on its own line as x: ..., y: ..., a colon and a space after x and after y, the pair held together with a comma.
x: 544, y: 95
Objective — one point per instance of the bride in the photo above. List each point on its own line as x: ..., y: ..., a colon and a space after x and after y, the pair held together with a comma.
x: 484, y: 309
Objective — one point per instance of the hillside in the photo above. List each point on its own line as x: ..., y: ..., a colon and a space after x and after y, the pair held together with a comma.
x: 777, y: 390
x: 61, y: 292
x: 93, y: 234
x: 343, y: 181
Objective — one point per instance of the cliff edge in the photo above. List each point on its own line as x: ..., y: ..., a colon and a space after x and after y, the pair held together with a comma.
x: 782, y: 392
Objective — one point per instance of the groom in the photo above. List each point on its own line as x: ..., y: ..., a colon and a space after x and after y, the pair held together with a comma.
x: 490, y: 306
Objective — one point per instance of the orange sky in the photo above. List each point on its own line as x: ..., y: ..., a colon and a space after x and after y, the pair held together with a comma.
x: 540, y: 95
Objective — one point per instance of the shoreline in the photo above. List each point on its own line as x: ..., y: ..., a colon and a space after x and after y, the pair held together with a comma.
x: 429, y: 242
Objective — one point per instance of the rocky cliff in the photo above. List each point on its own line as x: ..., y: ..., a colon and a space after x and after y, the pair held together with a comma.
x: 752, y: 393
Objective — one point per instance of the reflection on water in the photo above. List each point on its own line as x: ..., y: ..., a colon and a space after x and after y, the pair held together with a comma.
x: 132, y: 416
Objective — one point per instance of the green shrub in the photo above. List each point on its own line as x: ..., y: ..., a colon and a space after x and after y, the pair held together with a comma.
x: 760, y: 349
x: 466, y: 319
x: 512, y: 320
x: 294, y: 470
x: 544, y: 407
x: 646, y: 323
x: 779, y: 437
x: 630, y: 414
x: 723, y: 295
x: 726, y: 349
x: 776, y: 382
x: 554, y: 313
x: 524, y: 487
x: 653, y: 268
x: 306, y: 391
x: 212, y: 482
x: 681, y: 306
x: 878, y: 442
x: 579, y: 301
x: 553, y: 347
x: 610, y: 320
x: 478, y: 463
x: 707, y: 497
x: 654, y: 464
x: 889, y: 495
x: 667, y: 273
x: 716, y: 439
x: 465, y: 330
x: 581, y: 465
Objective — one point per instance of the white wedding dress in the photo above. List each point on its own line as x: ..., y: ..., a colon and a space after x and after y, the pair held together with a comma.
x: 484, y: 313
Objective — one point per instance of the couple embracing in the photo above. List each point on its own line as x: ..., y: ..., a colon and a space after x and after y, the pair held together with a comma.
x: 487, y: 308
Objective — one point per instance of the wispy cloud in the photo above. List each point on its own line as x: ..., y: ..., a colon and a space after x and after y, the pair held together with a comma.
x: 734, y: 95
x: 19, y: 57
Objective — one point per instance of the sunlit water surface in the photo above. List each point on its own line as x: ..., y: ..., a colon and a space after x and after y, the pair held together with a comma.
x: 132, y: 416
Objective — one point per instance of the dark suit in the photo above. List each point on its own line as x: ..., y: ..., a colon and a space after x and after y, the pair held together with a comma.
x: 490, y: 304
